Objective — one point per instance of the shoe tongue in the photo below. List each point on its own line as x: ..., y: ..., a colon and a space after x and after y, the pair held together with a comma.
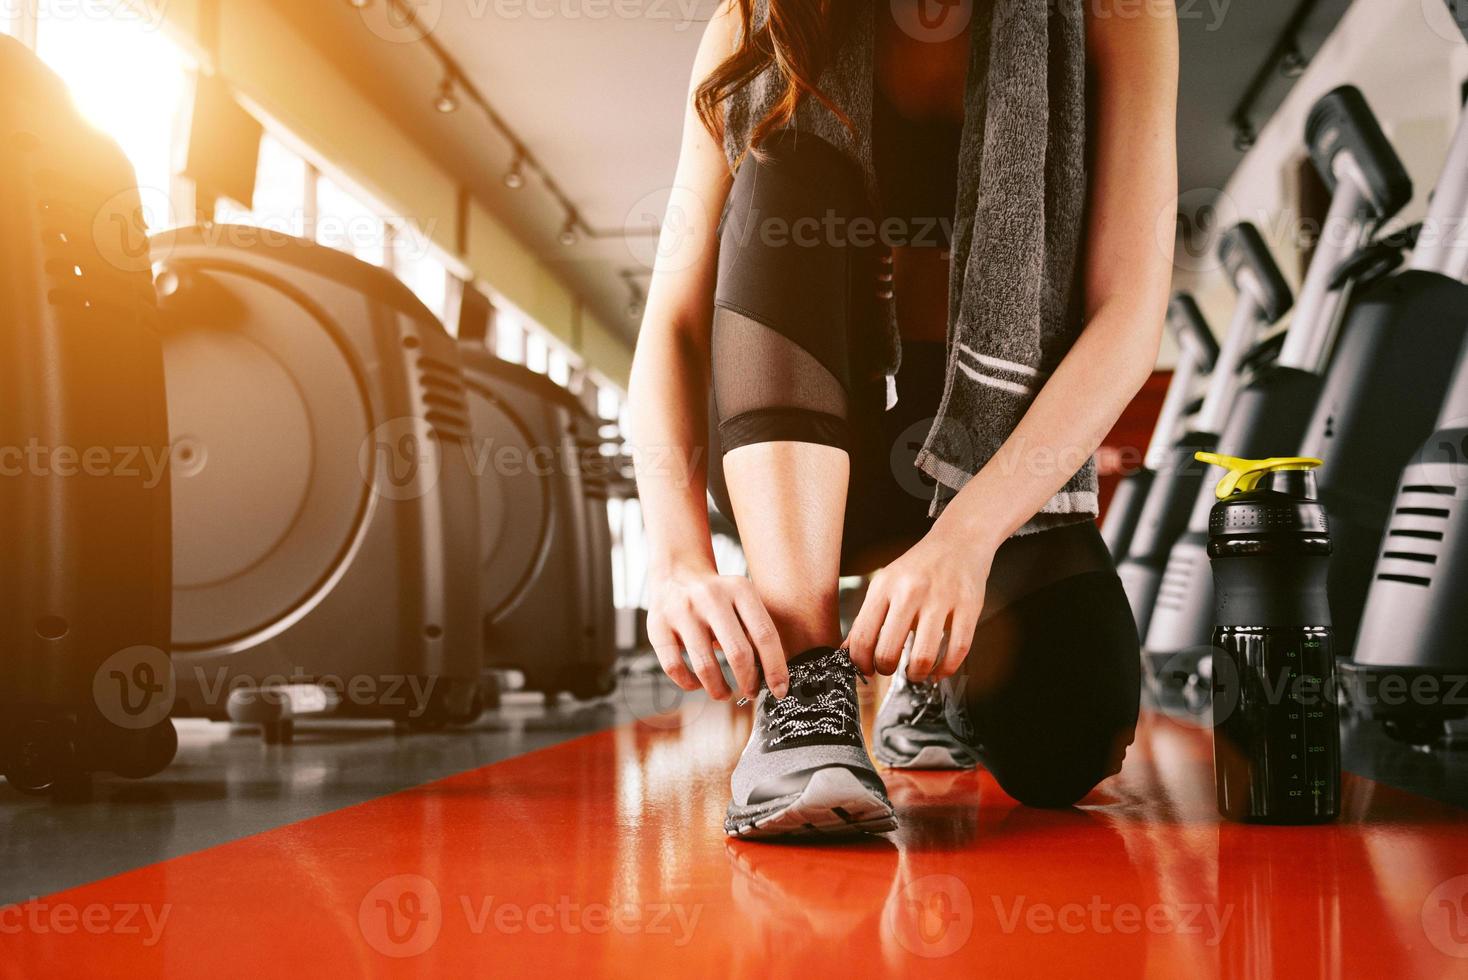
x: 817, y: 659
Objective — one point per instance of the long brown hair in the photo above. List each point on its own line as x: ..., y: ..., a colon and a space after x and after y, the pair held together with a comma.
x: 798, y: 38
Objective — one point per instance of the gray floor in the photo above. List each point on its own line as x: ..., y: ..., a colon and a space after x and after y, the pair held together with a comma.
x: 227, y: 784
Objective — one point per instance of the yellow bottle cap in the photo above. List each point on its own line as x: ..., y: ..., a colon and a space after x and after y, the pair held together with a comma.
x: 1244, y: 474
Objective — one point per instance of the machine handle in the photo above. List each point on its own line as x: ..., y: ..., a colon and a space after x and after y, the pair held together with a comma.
x: 1265, y: 352
x: 1342, y: 133
x: 1251, y: 268
x: 1191, y: 331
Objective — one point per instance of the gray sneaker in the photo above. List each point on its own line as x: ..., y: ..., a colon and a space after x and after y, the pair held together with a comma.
x: 806, y: 771
x: 913, y: 730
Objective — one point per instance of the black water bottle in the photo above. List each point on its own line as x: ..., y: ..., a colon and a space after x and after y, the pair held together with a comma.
x: 1276, y: 729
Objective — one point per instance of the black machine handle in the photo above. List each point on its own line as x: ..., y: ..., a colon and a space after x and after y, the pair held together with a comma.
x: 1265, y: 352
x: 1245, y: 257
x: 1342, y: 122
x: 1192, y: 331
x: 1377, y: 260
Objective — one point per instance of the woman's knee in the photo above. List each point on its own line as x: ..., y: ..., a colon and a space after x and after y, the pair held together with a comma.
x: 1052, y: 775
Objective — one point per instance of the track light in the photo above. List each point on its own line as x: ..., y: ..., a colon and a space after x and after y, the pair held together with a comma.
x: 359, y: 4
x: 446, y: 100
x: 1245, y: 137
x: 515, y: 176
x: 1294, y: 62
x: 568, y: 234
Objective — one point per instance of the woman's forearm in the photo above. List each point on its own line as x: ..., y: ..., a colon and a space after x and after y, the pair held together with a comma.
x: 668, y: 395
x: 1072, y: 414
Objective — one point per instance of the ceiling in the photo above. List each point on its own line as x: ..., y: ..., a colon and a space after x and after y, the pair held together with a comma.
x: 598, y: 99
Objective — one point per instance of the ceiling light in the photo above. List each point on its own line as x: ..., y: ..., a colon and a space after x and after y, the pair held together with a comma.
x: 568, y: 234
x: 515, y: 176
x: 1245, y: 137
x: 446, y: 101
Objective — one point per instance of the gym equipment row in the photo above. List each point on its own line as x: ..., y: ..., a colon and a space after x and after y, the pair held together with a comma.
x: 330, y: 506
x: 1364, y: 373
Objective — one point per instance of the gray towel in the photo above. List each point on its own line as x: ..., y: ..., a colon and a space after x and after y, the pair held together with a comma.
x: 1015, y: 305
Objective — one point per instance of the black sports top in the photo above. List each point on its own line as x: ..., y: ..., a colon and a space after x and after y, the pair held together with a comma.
x: 916, y: 161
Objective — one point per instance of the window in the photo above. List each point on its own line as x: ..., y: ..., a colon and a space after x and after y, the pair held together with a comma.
x: 345, y: 222
x: 558, y: 367
x: 128, y: 79
x: 509, y: 337
x: 536, y: 352
x: 608, y: 402
x: 415, y: 263
x: 280, y: 192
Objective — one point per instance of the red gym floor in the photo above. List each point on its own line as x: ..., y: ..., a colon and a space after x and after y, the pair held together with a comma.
x: 604, y: 856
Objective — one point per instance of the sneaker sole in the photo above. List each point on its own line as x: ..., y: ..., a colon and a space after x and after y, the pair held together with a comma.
x: 929, y: 757
x: 833, y: 804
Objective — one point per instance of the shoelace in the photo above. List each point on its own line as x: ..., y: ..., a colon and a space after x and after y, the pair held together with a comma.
x: 741, y: 702
x: 819, y: 703
x: 931, y: 700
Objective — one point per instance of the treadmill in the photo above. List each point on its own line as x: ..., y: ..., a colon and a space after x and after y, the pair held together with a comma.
x: 1263, y: 297
x: 1272, y: 414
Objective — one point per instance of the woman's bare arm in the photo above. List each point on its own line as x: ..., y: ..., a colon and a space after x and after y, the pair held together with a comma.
x: 1132, y: 52
x: 691, y: 606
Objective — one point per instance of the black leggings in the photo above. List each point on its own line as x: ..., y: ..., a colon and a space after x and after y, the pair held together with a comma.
x: 1052, y: 685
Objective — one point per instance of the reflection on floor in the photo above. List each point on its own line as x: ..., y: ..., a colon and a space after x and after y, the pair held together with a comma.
x: 226, y: 785
x: 603, y: 856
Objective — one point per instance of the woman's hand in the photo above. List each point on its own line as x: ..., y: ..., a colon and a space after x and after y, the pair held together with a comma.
x: 700, y: 610
x: 936, y: 588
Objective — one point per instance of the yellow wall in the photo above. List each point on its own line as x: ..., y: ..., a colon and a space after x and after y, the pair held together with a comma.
x: 269, y: 64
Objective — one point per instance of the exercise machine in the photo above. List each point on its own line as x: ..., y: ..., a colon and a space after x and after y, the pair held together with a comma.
x: 86, y: 683
x: 1272, y: 414
x: 1263, y: 297
x: 1386, y: 385
x: 1409, y: 668
x: 545, y: 575
x: 1197, y: 353
x: 325, y: 523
